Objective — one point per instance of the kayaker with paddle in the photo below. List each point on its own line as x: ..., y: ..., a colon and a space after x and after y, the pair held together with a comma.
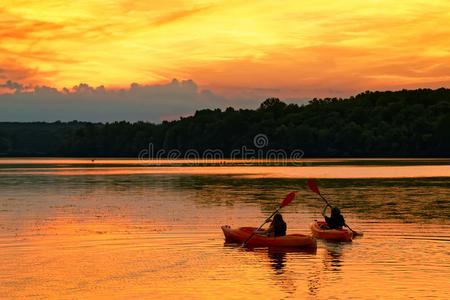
x: 288, y: 199
x: 336, y: 220
x: 277, y: 227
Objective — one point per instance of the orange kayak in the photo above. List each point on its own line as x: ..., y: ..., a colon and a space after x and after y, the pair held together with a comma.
x: 319, y: 231
x: 239, y: 235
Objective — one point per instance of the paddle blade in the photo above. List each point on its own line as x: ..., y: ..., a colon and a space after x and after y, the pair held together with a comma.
x: 288, y: 199
x: 313, y: 187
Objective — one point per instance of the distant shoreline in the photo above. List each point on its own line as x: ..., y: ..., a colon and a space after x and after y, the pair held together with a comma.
x: 401, y: 124
x: 307, y: 162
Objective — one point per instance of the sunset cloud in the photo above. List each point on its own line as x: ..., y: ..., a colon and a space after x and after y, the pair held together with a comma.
x: 237, y: 49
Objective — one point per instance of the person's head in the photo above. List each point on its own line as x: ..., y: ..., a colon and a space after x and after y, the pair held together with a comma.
x: 335, y: 211
x: 277, y: 218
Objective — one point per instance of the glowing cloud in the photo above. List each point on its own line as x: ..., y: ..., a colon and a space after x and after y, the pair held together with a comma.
x: 295, y: 48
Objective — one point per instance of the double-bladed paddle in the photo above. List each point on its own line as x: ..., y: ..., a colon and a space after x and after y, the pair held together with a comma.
x: 288, y: 199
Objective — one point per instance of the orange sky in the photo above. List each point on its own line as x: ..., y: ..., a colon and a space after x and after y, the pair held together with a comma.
x: 291, y: 48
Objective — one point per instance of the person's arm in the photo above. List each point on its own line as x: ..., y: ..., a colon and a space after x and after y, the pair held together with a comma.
x: 264, y: 231
x: 269, y: 230
x: 324, y: 210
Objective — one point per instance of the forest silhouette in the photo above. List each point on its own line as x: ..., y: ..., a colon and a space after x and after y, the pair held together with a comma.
x: 406, y: 123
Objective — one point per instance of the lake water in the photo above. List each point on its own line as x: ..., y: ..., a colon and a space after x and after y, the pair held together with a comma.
x: 115, y: 229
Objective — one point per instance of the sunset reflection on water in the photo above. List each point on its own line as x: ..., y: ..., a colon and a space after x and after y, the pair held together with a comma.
x: 157, y: 235
x: 311, y: 168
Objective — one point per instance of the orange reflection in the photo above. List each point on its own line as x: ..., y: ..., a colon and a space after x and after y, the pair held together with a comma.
x: 255, y: 171
x: 99, y: 242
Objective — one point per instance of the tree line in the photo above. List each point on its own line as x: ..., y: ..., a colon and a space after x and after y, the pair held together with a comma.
x: 406, y: 123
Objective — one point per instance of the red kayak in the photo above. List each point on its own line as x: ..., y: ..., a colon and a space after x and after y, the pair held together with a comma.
x: 321, y: 231
x: 239, y: 235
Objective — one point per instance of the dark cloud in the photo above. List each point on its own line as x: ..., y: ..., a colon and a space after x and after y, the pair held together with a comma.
x: 12, y: 86
x: 87, y: 103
